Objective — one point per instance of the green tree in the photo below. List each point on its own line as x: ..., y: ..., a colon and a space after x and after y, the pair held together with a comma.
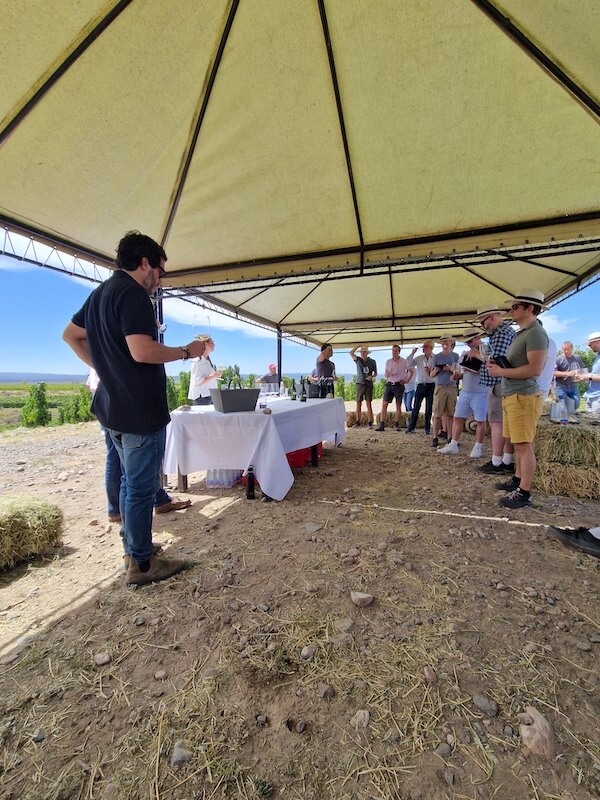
x: 184, y: 387
x: 171, y: 393
x: 378, y: 388
x: 251, y: 381
x: 350, y: 390
x: 76, y: 408
x: 36, y: 411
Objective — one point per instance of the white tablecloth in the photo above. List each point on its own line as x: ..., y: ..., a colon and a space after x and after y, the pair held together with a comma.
x: 202, y: 438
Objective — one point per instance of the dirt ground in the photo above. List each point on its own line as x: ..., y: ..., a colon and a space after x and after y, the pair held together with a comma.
x: 254, y: 674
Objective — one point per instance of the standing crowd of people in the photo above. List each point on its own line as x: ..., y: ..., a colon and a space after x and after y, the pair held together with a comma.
x: 115, y: 334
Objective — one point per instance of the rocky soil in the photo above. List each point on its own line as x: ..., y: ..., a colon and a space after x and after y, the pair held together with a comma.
x: 385, y: 632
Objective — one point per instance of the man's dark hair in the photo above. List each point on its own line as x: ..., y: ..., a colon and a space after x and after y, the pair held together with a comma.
x: 325, y: 346
x: 133, y: 247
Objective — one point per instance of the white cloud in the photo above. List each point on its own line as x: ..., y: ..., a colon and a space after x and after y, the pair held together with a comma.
x: 9, y: 264
x: 204, y: 320
x: 554, y: 324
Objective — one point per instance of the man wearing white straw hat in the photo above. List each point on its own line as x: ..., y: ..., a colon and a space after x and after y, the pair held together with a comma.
x: 522, y: 399
x: 500, y: 336
x: 472, y: 398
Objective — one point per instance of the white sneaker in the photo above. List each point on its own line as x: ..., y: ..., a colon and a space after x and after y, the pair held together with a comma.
x: 451, y: 449
x: 477, y: 451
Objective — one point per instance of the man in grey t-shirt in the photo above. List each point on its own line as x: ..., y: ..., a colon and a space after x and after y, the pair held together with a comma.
x: 522, y: 399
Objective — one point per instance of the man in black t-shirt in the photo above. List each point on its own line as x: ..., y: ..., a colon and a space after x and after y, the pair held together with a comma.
x: 325, y: 371
x: 115, y: 333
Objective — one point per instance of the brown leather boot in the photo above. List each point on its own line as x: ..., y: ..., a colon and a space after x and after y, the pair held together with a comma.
x: 156, y: 549
x: 160, y: 569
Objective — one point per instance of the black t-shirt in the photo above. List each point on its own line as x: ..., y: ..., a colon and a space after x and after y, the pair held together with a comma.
x: 132, y: 397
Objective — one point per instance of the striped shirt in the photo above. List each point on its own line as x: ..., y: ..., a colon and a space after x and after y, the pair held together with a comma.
x: 497, y: 345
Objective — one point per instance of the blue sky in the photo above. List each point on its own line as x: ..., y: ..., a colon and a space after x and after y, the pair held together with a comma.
x: 37, y: 303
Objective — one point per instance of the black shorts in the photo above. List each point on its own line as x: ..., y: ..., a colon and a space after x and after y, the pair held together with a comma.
x: 393, y: 391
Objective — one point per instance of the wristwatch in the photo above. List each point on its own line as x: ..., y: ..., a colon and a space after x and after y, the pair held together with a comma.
x: 186, y: 353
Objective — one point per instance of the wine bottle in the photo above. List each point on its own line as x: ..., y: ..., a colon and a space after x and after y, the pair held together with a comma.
x: 250, y: 483
x: 303, y: 393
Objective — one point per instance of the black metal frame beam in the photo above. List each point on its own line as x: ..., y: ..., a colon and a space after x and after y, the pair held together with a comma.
x: 189, y: 152
x: 342, y: 124
x: 65, y: 65
x: 477, y: 259
x: 561, y: 77
x: 197, y: 272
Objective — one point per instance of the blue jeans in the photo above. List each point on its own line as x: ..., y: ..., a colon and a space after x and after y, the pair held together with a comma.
x: 141, y: 462
x: 571, y: 392
x: 408, y: 399
x: 113, y: 475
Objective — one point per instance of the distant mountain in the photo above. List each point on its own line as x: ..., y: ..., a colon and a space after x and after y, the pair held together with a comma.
x: 39, y: 377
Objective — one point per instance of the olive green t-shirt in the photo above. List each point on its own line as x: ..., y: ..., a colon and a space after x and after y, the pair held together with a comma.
x: 532, y: 338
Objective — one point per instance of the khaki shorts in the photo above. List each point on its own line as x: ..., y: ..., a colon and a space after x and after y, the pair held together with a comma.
x: 494, y: 404
x: 520, y: 414
x: 444, y: 400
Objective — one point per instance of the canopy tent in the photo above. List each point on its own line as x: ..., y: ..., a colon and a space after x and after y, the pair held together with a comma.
x: 344, y: 170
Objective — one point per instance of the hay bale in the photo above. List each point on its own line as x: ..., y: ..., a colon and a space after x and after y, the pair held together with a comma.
x: 579, y: 482
x: 568, y: 459
x: 571, y: 445
x: 28, y: 527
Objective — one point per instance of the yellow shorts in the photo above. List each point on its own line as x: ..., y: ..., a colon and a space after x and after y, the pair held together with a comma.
x: 520, y: 414
x: 444, y: 400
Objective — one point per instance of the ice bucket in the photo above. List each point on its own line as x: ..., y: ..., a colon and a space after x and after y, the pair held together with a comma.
x: 229, y: 400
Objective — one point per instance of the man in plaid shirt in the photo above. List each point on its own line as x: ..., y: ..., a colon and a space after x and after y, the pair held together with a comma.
x: 500, y: 335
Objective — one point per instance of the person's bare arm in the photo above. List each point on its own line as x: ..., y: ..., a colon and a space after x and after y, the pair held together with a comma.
x: 146, y: 350
x: 76, y: 338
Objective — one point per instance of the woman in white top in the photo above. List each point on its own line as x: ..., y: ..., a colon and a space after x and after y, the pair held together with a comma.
x: 203, y: 375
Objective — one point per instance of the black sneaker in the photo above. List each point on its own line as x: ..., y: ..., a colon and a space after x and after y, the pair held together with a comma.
x: 409, y: 430
x: 427, y: 432
x: 491, y: 469
x: 434, y: 441
x: 396, y: 426
x: 443, y: 436
x: 579, y: 538
x: 380, y: 427
x: 508, y: 468
x: 369, y: 424
x: 508, y: 486
x: 356, y: 425
x: 516, y: 500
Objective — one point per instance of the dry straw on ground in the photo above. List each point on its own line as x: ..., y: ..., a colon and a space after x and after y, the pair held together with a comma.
x: 568, y: 458
x: 27, y: 527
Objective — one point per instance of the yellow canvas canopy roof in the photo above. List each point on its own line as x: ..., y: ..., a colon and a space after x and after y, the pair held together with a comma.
x: 341, y: 169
